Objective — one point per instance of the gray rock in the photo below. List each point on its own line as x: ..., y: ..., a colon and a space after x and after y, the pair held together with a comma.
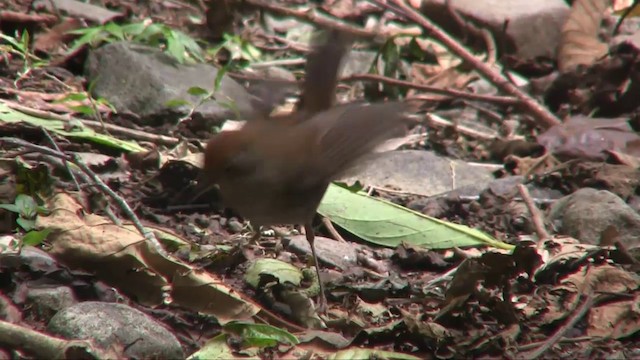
x: 421, y: 172
x: 586, y: 213
x: 46, y: 302
x: 79, y: 9
x: 142, y: 80
x: 505, y: 187
x: 110, y: 324
x: 534, y: 26
x: 330, y: 252
x: 31, y: 257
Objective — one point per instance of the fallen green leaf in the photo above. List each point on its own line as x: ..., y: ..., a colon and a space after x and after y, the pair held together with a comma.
x: 355, y: 353
x: 387, y: 224
x: 10, y: 115
x: 281, y: 270
x: 33, y: 238
x: 217, y: 348
x: 260, y: 335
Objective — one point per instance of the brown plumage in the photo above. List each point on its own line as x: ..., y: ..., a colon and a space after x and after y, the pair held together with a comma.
x: 276, y: 170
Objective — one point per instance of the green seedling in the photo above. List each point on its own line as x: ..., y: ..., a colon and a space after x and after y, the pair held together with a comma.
x: 19, y: 45
x: 174, y: 42
x: 27, y: 209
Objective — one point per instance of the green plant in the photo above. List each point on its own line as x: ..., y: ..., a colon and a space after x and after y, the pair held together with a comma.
x: 27, y: 209
x: 174, y: 42
x: 19, y: 45
x: 204, y: 95
x: 92, y: 108
x: 241, y: 52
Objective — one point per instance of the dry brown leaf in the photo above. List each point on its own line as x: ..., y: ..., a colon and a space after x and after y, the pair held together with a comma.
x: 579, y: 44
x: 586, y: 138
x: 615, y: 320
x: 120, y: 256
x: 54, y: 40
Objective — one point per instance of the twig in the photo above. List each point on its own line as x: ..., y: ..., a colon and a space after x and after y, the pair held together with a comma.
x: 44, y: 346
x: 332, y: 230
x: 115, y: 129
x: 64, y: 161
x: 148, y: 235
x: 438, y: 121
x: 563, y: 340
x: 288, y: 44
x: 541, y: 231
x: 577, y: 316
x: 540, y: 113
x: 503, y: 100
x: 279, y: 62
x: 312, y: 16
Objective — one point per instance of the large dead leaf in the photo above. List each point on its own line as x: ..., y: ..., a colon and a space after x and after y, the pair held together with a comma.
x: 579, y: 44
x: 590, y: 139
x: 121, y: 257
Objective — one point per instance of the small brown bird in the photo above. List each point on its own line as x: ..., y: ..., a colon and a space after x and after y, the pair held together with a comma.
x: 276, y: 171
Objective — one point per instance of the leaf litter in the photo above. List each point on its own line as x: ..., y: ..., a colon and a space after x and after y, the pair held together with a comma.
x: 421, y: 299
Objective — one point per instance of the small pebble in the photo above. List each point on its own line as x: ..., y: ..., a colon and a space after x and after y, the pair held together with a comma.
x: 235, y: 226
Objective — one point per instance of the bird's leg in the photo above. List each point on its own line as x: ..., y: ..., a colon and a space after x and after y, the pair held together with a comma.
x: 257, y: 232
x: 322, y: 300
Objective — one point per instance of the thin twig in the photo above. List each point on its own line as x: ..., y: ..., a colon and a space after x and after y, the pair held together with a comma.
x: 578, y: 314
x: 541, y: 231
x: 539, y: 112
x: 503, y: 100
x: 438, y: 121
x: 313, y: 16
x: 148, y: 234
x: 332, y: 230
x: 64, y: 161
x: 278, y: 62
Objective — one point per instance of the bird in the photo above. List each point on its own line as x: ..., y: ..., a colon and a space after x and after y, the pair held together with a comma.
x: 276, y: 170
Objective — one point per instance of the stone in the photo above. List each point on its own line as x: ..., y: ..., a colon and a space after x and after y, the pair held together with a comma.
x: 112, y: 325
x: 586, y: 213
x: 143, y: 80
x: 533, y: 29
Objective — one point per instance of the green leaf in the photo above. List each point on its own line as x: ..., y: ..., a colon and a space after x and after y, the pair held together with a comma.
x: 216, y: 348
x: 27, y: 205
x: 151, y: 33
x: 77, y: 96
x: 82, y: 109
x: 176, y: 49
x: 92, y: 36
x: 356, y: 353
x: 387, y: 224
x: 105, y: 102
x: 26, y: 224
x: 221, y: 73
x: 134, y: 29
x: 260, y: 335
x: 14, y: 42
x: 8, y: 115
x: 33, y: 238
x: 281, y: 270
x: 177, y: 103
x: 189, y: 44
x: 249, y: 51
x: 10, y: 207
x: 114, y: 30
x: 198, y: 91
x: 415, y: 50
